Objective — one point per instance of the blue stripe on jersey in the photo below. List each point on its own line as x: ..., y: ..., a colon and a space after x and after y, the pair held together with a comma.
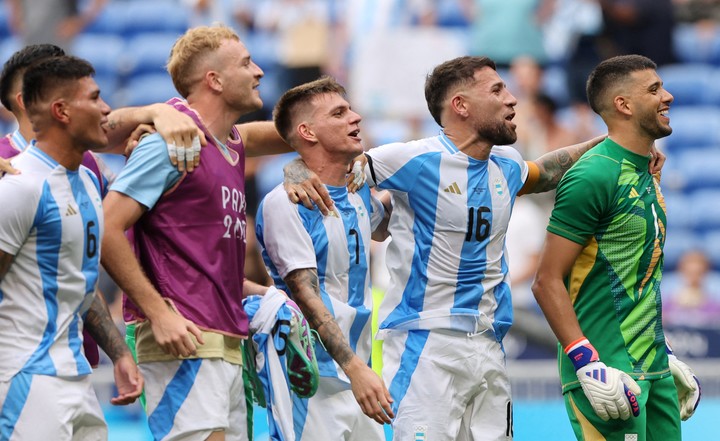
x: 43, y: 157
x: 414, y: 345
x: 424, y: 205
x: 357, y: 266
x: 90, y: 263
x: 161, y: 420
x: 14, y: 402
x: 20, y: 142
x: 504, y: 312
x: 449, y: 145
x: 511, y: 171
x: 473, y: 256
x: 49, y: 239
x: 300, y: 411
x: 319, y: 238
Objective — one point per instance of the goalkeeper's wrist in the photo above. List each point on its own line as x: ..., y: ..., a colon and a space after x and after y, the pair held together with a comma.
x: 581, y: 353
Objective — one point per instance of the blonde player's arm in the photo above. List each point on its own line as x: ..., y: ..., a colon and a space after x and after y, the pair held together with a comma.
x: 171, y: 331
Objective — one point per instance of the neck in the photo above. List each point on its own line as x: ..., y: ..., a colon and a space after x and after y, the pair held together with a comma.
x: 469, y: 143
x: 218, y: 119
x: 329, y: 172
x: 61, y: 148
x: 631, y: 141
x: 25, y: 127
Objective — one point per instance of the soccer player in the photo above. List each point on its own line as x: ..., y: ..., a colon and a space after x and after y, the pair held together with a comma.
x: 449, y: 294
x: 50, y: 234
x: 598, y: 282
x: 185, y: 278
x: 323, y: 262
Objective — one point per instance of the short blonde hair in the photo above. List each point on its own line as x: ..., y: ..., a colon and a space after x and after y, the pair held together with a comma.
x: 190, y: 48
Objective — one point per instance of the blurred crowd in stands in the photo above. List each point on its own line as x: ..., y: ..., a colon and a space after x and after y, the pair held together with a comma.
x: 381, y: 49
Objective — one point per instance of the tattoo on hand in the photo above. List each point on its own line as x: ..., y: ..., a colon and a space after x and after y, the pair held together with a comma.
x: 305, y: 289
x: 296, y: 171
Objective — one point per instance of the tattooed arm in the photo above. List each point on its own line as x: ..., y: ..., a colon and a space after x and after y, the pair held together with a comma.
x: 304, y: 186
x: 101, y: 327
x: 551, y: 166
x: 369, y: 390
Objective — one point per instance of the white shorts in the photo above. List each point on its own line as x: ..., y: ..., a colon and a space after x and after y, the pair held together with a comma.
x: 191, y: 399
x: 333, y: 414
x: 447, y: 386
x: 42, y: 407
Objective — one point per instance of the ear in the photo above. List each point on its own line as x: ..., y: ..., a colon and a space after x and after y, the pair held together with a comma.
x: 458, y: 105
x: 623, y: 105
x: 19, y: 101
x: 306, y: 132
x: 60, y: 111
x: 213, y: 80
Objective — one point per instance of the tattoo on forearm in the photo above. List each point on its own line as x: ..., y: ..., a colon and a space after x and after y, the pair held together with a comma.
x: 305, y: 289
x: 296, y: 171
x: 102, y: 328
x: 553, y: 165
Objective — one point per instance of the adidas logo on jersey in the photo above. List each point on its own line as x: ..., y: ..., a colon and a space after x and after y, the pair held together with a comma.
x: 453, y: 188
x: 633, y: 193
x: 70, y: 211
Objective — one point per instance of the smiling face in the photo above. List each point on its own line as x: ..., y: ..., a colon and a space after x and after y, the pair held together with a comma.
x: 87, y: 115
x: 491, y: 107
x: 651, y: 104
x: 335, y: 125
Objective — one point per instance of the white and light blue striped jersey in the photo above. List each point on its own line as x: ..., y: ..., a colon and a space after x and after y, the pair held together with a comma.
x: 293, y: 237
x: 52, y: 223
x: 447, y: 255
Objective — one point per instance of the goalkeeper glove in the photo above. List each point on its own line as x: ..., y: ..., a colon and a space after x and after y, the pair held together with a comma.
x: 686, y: 383
x: 611, y: 392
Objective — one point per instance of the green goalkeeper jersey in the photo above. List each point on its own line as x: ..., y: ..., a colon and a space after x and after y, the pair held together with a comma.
x: 609, y: 203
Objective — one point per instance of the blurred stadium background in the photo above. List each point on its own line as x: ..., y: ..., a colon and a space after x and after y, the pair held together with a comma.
x: 382, y: 50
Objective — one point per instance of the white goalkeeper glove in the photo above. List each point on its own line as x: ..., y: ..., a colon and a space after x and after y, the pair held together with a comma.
x: 686, y: 383
x: 611, y: 392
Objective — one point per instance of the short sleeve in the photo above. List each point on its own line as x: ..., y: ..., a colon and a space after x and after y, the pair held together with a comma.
x: 395, y: 166
x: 281, y: 230
x: 583, y: 196
x: 20, y: 200
x: 148, y: 173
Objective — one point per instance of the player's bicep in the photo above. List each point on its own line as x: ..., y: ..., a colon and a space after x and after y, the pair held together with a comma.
x: 558, y: 256
x: 532, y: 178
x: 121, y: 211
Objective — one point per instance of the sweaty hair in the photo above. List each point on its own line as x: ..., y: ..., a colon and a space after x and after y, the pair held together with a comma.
x: 50, y: 74
x: 289, y: 102
x: 447, y: 76
x: 15, y: 67
x: 188, y: 51
x: 612, y: 72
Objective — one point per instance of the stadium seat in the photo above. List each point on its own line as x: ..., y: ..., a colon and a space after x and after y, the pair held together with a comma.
x: 688, y: 83
x: 554, y: 83
x: 677, y: 243
x: 147, y: 89
x: 705, y: 210
x: 104, y: 51
x: 693, y: 126
x: 677, y: 205
x: 9, y: 46
x: 4, y: 21
x: 693, y: 47
x: 155, y: 16
x: 111, y: 19
x: 147, y: 53
x: 699, y: 168
x: 711, y: 246
x: 449, y: 13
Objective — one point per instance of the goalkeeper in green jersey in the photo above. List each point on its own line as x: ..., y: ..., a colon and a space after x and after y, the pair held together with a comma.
x: 598, y: 282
